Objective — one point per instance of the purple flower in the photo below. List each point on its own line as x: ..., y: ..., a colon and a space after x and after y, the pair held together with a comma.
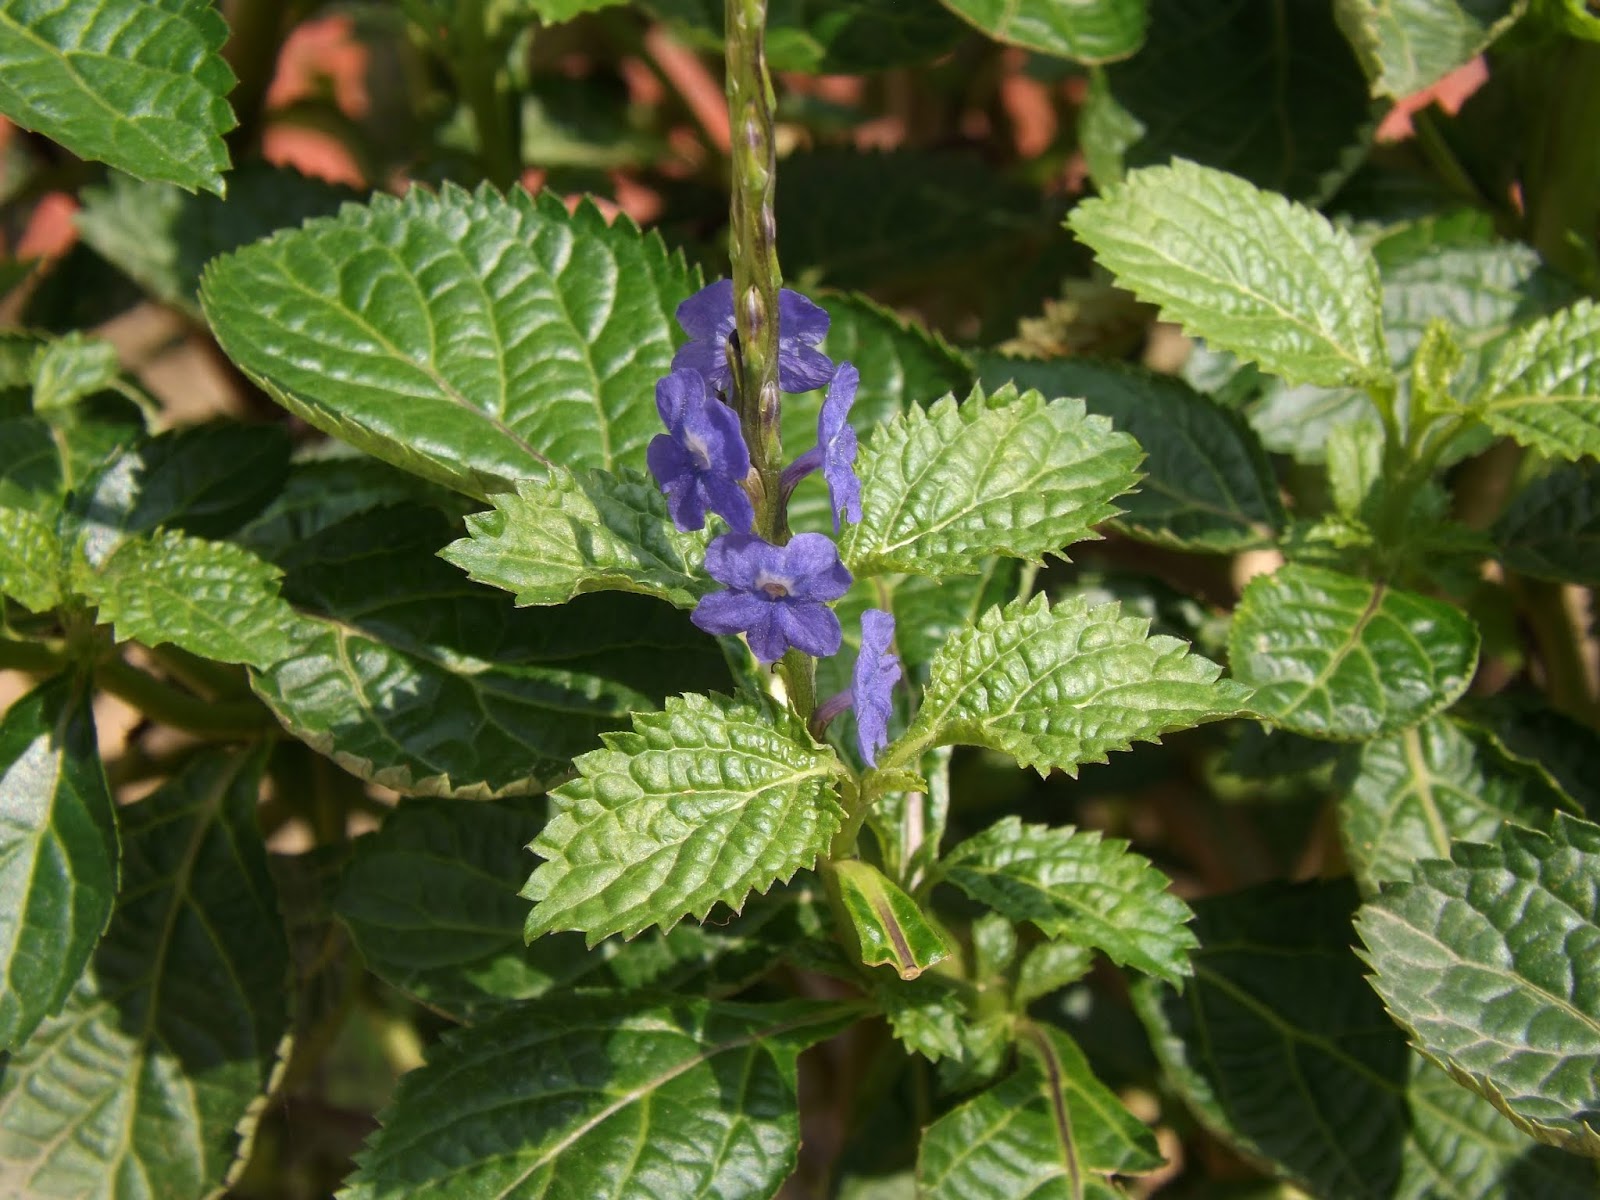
x: 701, y: 459
x: 872, y: 682
x: 776, y: 595
x: 707, y: 317
x: 835, y: 451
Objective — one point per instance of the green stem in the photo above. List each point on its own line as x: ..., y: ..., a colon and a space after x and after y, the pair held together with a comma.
x: 1562, y: 182
x: 482, y: 80
x: 37, y: 658
x: 1560, y: 643
x: 166, y: 704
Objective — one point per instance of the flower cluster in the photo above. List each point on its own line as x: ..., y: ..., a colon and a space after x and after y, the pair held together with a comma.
x: 779, y: 597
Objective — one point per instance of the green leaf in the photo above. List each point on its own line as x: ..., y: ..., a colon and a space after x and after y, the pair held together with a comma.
x: 31, y: 562
x: 469, y: 339
x: 828, y: 36
x: 1282, y: 101
x: 138, y: 86
x: 1551, y: 529
x: 406, y: 673
x: 1207, y: 485
x: 1282, y: 1050
x: 67, y: 369
x: 563, y: 534
x: 684, y: 1098
x: 1407, y: 797
x: 1096, y: 32
x: 1338, y: 657
x: 890, y: 929
x: 30, y: 466
x: 1247, y: 270
x: 58, y: 852
x: 1542, y: 384
x: 702, y: 803
x: 1040, y: 1133
x: 1051, y: 966
x: 213, y: 599
x: 944, y: 489
x: 1076, y: 885
x: 1529, y: 730
x: 148, y: 1082
x: 1492, y: 962
x: 1055, y: 687
x: 1406, y: 45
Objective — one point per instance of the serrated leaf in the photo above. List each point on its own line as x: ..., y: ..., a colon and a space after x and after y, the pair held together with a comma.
x: 1406, y: 45
x: 890, y: 929
x: 1282, y: 101
x: 1338, y: 657
x: 684, y: 1098
x: 1551, y: 529
x: 1492, y: 961
x: 1207, y: 485
x: 828, y: 36
x: 213, y: 599
x: 58, y: 852
x: 1542, y: 384
x: 1249, y: 271
x: 1078, y: 886
x: 1281, y: 1049
x: 944, y: 489
x: 1049, y: 967
x: 1533, y: 732
x: 467, y: 338
x: 31, y: 562
x: 1407, y: 797
x: 563, y: 534
x: 1055, y: 687
x: 30, y: 466
x: 139, y: 86
x: 406, y: 673
x: 67, y: 369
x: 145, y: 1084
x: 702, y: 803
x: 1096, y: 32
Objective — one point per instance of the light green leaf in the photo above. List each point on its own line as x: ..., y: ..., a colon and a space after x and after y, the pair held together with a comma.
x: 1078, y: 886
x: 942, y: 490
x: 1492, y: 962
x: 554, y: 12
x: 1249, y: 271
x: 890, y: 929
x: 1051, y: 966
x: 1055, y: 687
x: 1407, y: 797
x: 1093, y: 32
x: 684, y: 1098
x: 31, y: 562
x: 703, y: 803
x: 69, y: 368
x: 828, y: 36
x: 140, y: 86
x: 213, y: 599
x: 1406, y: 45
x: 58, y: 852
x: 563, y: 534
x: 1551, y: 529
x: 1281, y: 1049
x: 470, y: 339
x: 1338, y: 657
x: 148, y: 1082
x: 1542, y: 384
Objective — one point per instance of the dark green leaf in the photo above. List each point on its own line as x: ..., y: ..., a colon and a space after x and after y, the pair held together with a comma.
x: 1406, y: 45
x: 30, y: 465
x: 1098, y: 31
x: 1551, y: 530
x: 829, y: 36
x: 890, y: 929
x: 1532, y: 732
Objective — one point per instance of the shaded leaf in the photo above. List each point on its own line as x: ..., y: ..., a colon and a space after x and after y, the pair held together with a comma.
x: 30, y: 466
x: 1531, y: 731
x: 1551, y: 529
x: 890, y: 929
x: 1098, y: 31
x: 1406, y: 45
x: 828, y: 36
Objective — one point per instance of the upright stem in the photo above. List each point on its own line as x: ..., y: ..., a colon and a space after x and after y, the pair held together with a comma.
x: 481, y: 77
x: 1563, y: 178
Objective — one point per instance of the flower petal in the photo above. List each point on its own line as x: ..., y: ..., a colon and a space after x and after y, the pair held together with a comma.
x: 802, y: 368
x: 809, y: 626
x: 799, y: 319
x: 675, y: 392
x: 766, y: 636
x: 729, y: 612
x: 835, y: 415
x: 702, y: 313
x: 728, y: 500
x: 811, y: 562
x: 738, y: 560
x: 872, y: 682
x: 715, y: 427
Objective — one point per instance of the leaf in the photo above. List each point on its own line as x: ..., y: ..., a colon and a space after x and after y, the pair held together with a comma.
x: 944, y: 489
x: 1055, y: 687
x: 139, y: 86
x: 1406, y: 45
x: 67, y: 369
x: 58, y: 852
x: 30, y: 466
x: 1207, y: 485
x: 1530, y: 731
x: 1542, y: 384
x: 149, y: 1082
x: 564, y: 534
x: 702, y: 803
x: 683, y: 1098
x: 469, y: 339
x: 1282, y: 101
x: 1551, y: 529
x: 890, y: 929
x: 1096, y: 32
x: 30, y: 560
x: 1280, y: 1049
x: 1407, y: 797
x: 407, y: 674
x: 1492, y: 962
x: 213, y: 599
x: 1078, y: 886
x: 1247, y: 270
x: 1338, y: 657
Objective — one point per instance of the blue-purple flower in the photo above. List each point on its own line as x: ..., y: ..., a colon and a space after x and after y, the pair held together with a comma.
x: 777, y: 596
x: 707, y: 317
x: 835, y: 451
x: 702, y: 459
x: 872, y: 682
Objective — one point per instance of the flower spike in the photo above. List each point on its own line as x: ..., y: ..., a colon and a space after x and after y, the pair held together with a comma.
x: 701, y: 461
x: 777, y: 596
x: 707, y: 317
